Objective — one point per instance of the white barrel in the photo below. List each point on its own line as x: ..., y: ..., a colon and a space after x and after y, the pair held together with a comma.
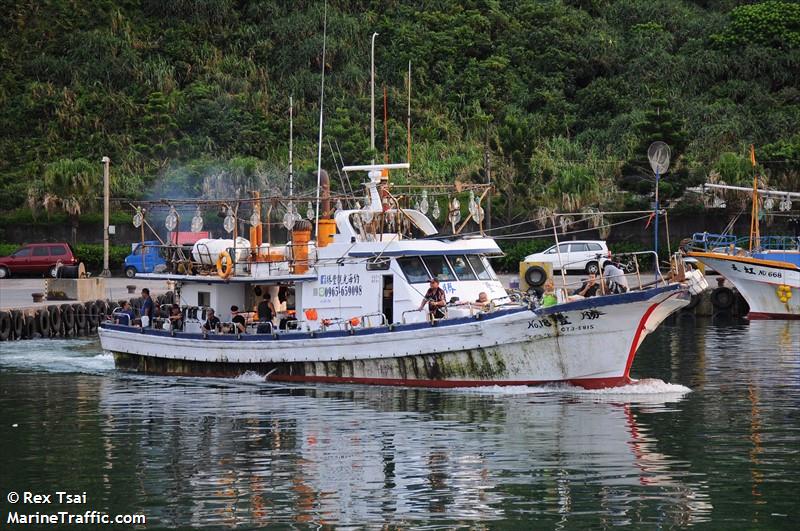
x: 206, y: 250
x: 697, y: 282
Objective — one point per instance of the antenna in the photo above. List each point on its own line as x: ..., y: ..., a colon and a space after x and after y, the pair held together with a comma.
x: 321, y: 103
x: 658, y: 154
x: 291, y: 135
x: 385, y: 126
x: 408, y: 117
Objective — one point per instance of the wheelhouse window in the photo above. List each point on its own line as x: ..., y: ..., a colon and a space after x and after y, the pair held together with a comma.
x: 204, y: 299
x: 479, y: 265
x: 461, y: 267
x: 378, y: 263
x: 439, y: 268
x: 413, y: 269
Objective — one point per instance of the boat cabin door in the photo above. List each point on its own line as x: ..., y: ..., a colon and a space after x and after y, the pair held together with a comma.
x: 387, y: 293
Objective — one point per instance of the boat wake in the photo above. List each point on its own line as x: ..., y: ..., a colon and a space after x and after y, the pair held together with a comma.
x: 57, y: 355
x: 250, y: 377
x: 647, y: 387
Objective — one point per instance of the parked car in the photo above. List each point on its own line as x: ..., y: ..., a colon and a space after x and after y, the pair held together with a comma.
x: 582, y: 255
x: 144, y: 258
x: 37, y: 258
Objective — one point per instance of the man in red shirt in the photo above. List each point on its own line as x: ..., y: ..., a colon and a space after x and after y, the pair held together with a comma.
x: 435, y: 298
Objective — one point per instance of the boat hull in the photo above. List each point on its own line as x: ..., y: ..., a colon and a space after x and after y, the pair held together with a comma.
x: 589, y: 343
x: 758, y: 281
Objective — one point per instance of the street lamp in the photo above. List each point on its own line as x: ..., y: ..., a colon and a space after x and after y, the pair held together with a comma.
x: 106, y: 163
x: 658, y: 154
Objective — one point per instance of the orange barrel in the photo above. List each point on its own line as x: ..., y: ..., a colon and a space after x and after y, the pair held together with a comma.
x: 327, y: 228
x: 301, y: 235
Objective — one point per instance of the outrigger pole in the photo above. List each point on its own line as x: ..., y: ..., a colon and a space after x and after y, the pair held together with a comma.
x: 321, y: 103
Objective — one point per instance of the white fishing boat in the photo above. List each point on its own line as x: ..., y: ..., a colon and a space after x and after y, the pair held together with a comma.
x: 767, y: 272
x: 349, y: 311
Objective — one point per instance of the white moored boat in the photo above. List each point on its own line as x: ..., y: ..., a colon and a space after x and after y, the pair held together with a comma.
x: 767, y: 274
x: 351, y: 315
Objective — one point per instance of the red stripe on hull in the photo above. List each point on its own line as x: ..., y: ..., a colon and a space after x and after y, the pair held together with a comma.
x: 586, y: 383
x: 764, y: 315
x: 635, y: 343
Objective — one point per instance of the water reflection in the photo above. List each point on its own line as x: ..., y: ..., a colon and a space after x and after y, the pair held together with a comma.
x: 244, y: 453
x: 247, y: 453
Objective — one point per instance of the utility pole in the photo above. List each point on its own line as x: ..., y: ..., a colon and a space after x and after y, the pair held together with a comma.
x: 106, y: 186
x: 291, y: 139
x: 372, y: 98
x: 487, y: 160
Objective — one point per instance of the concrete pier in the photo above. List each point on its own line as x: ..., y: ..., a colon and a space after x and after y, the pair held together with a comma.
x: 15, y: 293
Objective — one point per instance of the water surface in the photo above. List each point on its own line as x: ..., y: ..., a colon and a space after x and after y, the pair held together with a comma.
x: 709, y: 438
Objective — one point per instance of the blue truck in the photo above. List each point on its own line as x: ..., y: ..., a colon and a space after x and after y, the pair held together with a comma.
x: 144, y: 258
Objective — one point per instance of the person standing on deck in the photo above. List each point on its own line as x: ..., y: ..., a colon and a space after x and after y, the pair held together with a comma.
x: 147, y: 308
x: 435, y: 299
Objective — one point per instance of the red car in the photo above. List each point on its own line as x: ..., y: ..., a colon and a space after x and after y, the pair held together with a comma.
x: 39, y: 258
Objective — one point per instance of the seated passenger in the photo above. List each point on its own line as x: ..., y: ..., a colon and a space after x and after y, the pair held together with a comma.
x: 615, y: 278
x: 482, y: 303
x: 212, y: 323
x: 176, y: 318
x: 589, y: 287
x: 238, y: 320
x: 124, y: 315
x: 549, y: 296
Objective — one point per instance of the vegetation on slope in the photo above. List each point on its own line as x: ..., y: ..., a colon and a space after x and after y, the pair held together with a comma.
x: 561, y: 98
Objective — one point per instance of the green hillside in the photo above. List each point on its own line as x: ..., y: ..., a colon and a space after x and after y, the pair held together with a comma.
x: 561, y: 97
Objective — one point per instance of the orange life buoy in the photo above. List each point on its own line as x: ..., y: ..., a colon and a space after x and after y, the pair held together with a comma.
x: 225, y: 269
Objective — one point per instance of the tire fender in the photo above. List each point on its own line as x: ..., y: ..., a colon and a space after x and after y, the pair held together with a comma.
x: 30, y: 327
x: 55, y: 318
x: 5, y: 326
x: 535, y: 276
x: 80, y: 316
x: 722, y: 298
x: 17, y: 323
x: 43, y: 322
x: 68, y: 316
x: 92, y: 313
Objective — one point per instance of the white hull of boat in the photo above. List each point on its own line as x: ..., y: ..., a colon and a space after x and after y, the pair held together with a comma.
x: 590, y: 343
x: 758, y: 282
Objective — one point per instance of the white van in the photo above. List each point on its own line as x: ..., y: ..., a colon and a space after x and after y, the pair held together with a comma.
x: 582, y: 255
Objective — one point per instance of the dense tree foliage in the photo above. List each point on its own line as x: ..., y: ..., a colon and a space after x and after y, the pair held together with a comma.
x: 560, y: 98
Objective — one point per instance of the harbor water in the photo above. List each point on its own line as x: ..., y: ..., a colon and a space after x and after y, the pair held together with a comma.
x: 709, y: 438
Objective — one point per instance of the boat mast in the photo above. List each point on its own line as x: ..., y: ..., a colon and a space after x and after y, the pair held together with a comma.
x: 291, y: 135
x: 754, y: 225
x: 372, y: 99
x: 321, y: 102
